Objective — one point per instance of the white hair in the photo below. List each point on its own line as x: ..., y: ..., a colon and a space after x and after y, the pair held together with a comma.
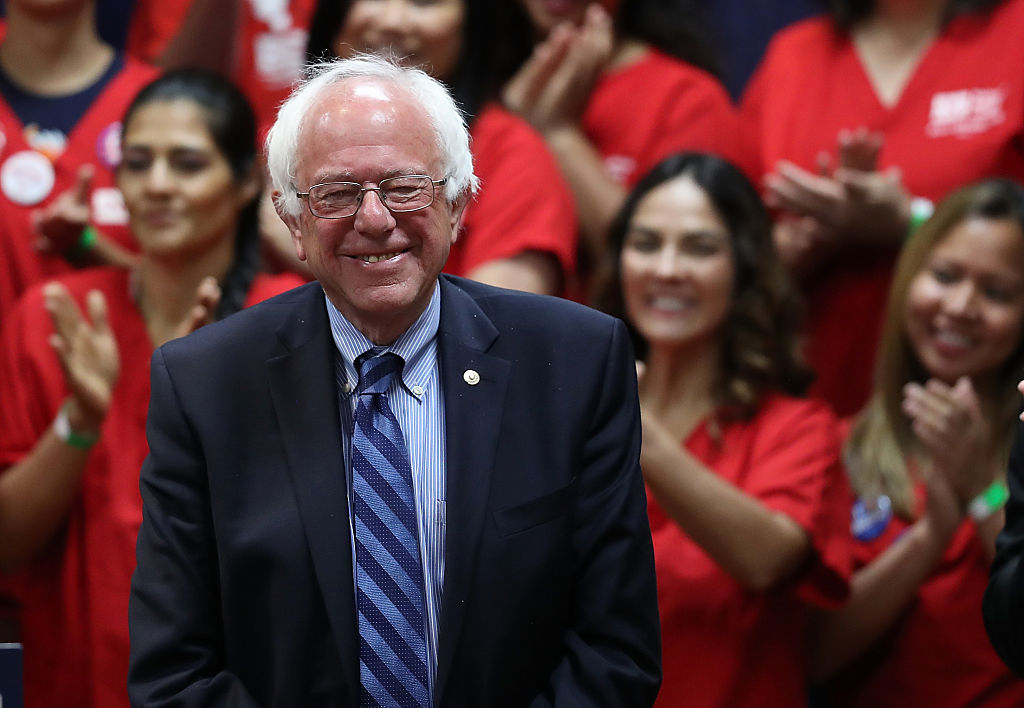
x: 449, y: 124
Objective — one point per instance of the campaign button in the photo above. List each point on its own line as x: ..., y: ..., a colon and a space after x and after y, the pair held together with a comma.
x: 27, y: 177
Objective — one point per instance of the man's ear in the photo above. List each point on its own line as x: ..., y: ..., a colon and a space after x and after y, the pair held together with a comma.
x: 292, y: 222
x: 457, y: 210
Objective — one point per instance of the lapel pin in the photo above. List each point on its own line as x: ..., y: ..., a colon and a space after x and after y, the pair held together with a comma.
x: 471, y: 377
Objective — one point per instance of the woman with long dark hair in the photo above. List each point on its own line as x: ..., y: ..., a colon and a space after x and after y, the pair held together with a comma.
x: 74, y: 368
x: 746, y: 494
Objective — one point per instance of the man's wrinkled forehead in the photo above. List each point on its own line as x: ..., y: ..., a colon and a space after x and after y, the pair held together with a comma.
x: 366, y: 100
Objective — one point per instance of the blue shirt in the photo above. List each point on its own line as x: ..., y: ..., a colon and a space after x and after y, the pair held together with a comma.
x: 418, y: 404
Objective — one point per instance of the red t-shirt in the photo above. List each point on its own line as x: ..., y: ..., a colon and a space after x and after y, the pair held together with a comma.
x: 74, y: 595
x: 523, y: 203
x: 95, y: 140
x: 960, y: 119
x: 937, y: 653
x: 647, y: 110
x: 271, y: 53
x: 154, y: 23
x: 722, y: 644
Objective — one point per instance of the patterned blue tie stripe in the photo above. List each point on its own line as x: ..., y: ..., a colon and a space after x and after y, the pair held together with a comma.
x: 399, y: 586
x: 384, y: 504
x: 389, y: 575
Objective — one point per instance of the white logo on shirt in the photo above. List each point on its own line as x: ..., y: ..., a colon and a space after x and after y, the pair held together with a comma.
x: 965, y: 112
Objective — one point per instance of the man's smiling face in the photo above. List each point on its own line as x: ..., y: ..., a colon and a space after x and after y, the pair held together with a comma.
x: 377, y: 268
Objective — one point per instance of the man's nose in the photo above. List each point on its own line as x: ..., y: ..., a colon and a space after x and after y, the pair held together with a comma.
x: 372, y: 215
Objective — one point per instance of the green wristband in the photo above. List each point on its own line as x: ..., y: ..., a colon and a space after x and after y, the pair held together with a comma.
x: 62, y: 427
x: 989, y: 501
x: 86, y: 242
x: 921, y: 210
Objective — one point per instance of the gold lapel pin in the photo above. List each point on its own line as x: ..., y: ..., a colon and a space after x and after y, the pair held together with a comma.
x: 471, y: 377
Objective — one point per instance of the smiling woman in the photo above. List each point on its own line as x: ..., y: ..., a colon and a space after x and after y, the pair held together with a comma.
x: 745, y: 492
x: 926, y: 458
x: 74, y: 369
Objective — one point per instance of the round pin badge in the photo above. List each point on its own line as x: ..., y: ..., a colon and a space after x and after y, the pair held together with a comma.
x: 108, y: 145
x: 27, y: 177
x: 869, y: 517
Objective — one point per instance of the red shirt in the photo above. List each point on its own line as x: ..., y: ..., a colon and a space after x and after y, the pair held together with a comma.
x: 937, y: 653
x: 74, y: 595
x: 523, y: 204
x: 154, y: 23
x: 960, y: 119
x: 271, y: 53
x: 722, y: 644
x: 647, y: 110
x: 95, y: 140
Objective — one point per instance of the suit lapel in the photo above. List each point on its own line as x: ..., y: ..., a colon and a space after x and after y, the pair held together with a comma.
x: 472, y: 420
x: 306, y: 404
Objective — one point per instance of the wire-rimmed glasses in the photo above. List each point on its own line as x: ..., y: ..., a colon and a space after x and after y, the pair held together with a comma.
x: 337, y: 200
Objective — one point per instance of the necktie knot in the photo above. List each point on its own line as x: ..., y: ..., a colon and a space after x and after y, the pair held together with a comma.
x: 376, y: 371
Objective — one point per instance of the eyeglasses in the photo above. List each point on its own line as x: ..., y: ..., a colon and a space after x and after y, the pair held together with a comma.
x: 337, y: 200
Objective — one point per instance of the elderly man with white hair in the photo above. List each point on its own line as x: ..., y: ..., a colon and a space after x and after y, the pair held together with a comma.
x: 392, y: 487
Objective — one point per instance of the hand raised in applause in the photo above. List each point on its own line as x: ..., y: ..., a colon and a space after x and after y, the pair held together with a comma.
x: 59, y: 225
x: 88, y: 354
x: 553, y: 86
x: 851, y: 203
x: 953, y: 432
x: 203, y: 311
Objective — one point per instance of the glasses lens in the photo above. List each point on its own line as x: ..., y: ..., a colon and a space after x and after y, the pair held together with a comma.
x: 407, y: 193
x: 334, y: 199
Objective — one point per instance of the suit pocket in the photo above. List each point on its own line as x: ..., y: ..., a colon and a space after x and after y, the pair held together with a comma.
x: 513, y: 519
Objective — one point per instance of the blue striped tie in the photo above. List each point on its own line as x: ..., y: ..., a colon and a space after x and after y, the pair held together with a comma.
x: 389, y: 575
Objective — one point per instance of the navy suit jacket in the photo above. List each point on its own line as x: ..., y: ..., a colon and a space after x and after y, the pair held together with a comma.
x: 243, y: 595
x: 1003, y: 607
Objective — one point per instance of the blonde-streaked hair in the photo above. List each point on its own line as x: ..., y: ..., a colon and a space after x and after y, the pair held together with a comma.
x: 881, y: 442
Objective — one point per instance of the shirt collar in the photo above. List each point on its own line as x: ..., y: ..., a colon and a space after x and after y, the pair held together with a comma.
x: 414, y: 345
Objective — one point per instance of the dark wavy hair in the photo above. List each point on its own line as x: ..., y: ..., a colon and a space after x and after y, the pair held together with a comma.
x: 760, y: 349
x: 483, y: 66
x: 232, y: 125
x: 847, y: 13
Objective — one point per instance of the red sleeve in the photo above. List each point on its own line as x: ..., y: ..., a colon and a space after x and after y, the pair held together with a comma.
x: 153, y: 24
x: 523, y: 204
x: 31, y: 381
x: 799, y: 474
x: 265, y: 286
x: 698, y: 116
x: 751, y: 159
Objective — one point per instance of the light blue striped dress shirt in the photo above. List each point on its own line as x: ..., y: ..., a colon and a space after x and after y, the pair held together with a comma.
x: 418, y: 404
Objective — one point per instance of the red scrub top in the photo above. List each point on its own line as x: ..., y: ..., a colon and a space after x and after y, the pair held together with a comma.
x: 74, y: 595
x: 154, y: 23
x: 647, y: 110
x: 722, y: 644
x: 960, y: 119
x: 25, y: 172
x: 271, y: 53
x: 523, y: 204
x: 937, y: 653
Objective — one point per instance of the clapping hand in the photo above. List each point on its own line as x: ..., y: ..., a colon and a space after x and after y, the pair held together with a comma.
x: 850, y: 203
x: 202, y: 312
x: 553, y: 86
x: 87, y: 351
x: 59, y: 225
x: 953, y: 432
